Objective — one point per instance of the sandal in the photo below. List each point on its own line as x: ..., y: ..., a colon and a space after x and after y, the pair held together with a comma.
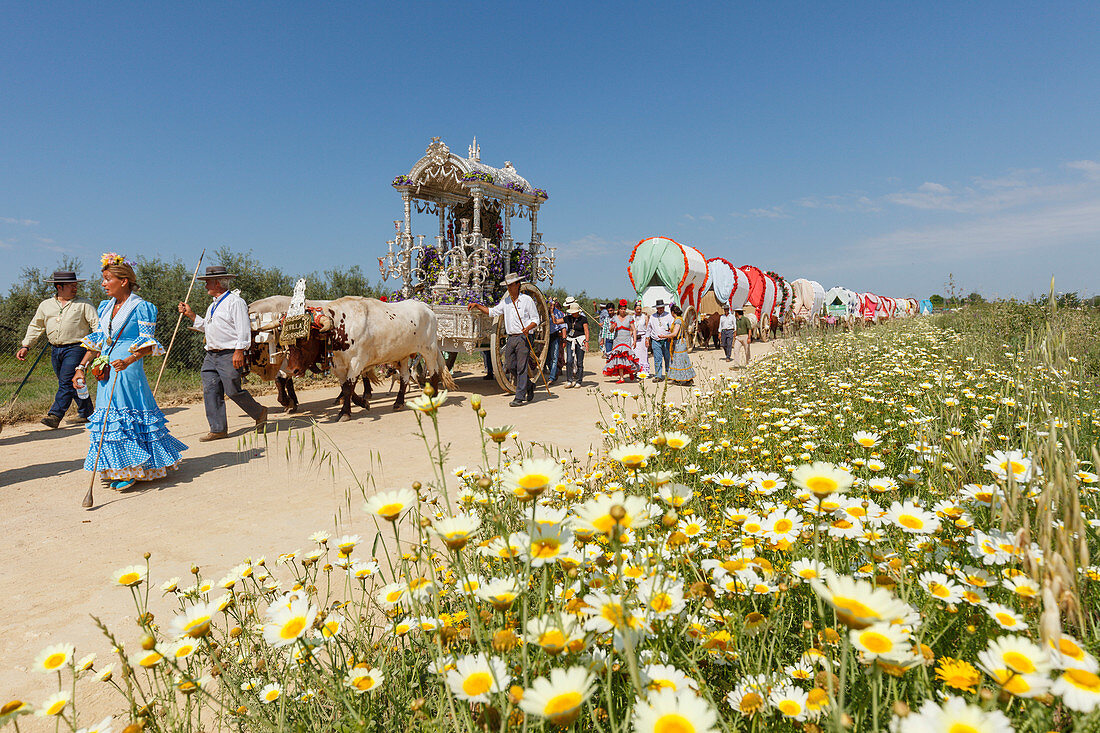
x: 124, y: 484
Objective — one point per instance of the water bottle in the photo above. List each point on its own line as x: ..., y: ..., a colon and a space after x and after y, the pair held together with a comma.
x: 81, y: 388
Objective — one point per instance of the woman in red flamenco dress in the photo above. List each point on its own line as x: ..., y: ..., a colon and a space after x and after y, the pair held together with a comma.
x: 621, y: 362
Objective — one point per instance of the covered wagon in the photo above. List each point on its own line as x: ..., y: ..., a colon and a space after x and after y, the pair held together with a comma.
x: 663, y: 269
x: 809, y: 300
x: 725, y: 284
x: 762, y: 293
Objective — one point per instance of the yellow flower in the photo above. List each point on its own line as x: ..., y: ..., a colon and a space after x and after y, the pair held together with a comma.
x: 130, y: 576
x: 958, y: 674
x: 822, y: 479
x: 54, y: 657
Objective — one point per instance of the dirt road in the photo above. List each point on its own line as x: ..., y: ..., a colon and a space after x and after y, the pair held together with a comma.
x: 232, y: 499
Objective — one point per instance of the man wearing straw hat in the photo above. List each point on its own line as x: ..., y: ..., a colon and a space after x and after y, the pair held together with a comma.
x: 65, y: 319
x: 228, y: 336
x: 520, y: 318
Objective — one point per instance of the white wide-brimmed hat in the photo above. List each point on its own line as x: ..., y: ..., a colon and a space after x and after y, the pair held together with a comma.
x: 513, y: 277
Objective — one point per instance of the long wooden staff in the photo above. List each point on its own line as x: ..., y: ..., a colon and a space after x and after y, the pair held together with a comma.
x: 530, y: 349
x: 88, y: 500
x: 179, y: 320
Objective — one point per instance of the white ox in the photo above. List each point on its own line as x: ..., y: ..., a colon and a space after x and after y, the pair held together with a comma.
x: 366, y: 332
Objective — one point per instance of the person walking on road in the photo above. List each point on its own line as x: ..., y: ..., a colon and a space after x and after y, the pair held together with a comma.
x: 680, y: 371
x: 576, y: 343
x: 727, y: 329
x: 129, y: 438
x: 65, y: 319
x: 606, y: 336
x: 641, y: 335
x: 228, y: 337
x: 744, y: 336
x: 520, y: 318
x: 621, y: 362
x: 557, y: 336
x: 660, y: 333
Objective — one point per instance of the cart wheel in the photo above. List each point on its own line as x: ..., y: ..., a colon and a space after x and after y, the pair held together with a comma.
x: 691, y: 327
x: 540, y: 342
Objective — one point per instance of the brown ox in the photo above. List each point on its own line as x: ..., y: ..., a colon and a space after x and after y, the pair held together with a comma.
x: 364, y: 333
x: 708, y: 329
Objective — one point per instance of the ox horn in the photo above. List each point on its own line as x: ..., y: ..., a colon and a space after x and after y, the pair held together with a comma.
x: 324, y: 323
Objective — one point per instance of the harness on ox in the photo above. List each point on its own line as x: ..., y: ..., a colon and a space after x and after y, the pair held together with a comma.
x: 271, y: 337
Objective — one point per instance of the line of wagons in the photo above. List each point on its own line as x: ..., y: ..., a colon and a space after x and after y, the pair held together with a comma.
x: 660, y: 268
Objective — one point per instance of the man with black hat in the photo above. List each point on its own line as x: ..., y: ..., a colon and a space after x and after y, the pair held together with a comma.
x: 65, y: 319
x: 520, y: 318
x: 660, y: 333
x: 228, y: 336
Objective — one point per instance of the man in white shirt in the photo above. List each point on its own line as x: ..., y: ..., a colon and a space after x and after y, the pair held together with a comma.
x: 660, y: 332
x: 228, y: 336
x: 520, y: 318
x: 641, y: 331
x: 727, y: 329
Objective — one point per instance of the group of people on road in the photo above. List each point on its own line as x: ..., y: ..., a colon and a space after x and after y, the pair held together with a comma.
x: 630, y: 338
x: 735, y: 331
x: 129, y: 440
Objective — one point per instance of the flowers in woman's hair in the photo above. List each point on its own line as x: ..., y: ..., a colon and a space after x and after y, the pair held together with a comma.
x: 114, y: 258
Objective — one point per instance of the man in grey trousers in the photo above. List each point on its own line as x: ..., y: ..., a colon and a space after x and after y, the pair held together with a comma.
x: 228, y: 337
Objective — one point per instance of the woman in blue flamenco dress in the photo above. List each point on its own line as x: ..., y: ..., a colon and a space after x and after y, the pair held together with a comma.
x: 136, y: 445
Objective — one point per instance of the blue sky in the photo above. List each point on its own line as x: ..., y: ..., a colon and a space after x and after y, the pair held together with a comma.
x: 875, y: 145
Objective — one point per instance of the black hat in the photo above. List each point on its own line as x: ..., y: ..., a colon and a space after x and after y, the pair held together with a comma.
x: 660, y: 303
x: 63, y: 277
x: 216, y: 272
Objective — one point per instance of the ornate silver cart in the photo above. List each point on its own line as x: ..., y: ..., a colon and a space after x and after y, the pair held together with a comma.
x: 466, y: 263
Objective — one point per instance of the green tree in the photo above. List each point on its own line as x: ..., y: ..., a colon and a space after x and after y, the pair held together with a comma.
x: 937, y: 301
x: 975, y: 298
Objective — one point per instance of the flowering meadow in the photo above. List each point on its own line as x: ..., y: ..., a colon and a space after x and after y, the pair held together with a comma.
x: 889, y: 529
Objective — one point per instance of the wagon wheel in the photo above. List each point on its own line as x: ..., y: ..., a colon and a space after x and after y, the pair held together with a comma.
x: 540, y: 341
x: 691, y: 327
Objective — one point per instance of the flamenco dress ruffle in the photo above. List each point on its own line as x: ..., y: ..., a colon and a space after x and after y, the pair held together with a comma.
x: 136, y: 442
x: 622, y: 363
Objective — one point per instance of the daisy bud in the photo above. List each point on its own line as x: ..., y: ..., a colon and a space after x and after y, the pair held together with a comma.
x: 194, y: 569
x: 846, y: 720
x: 481, y: 413
x: 670, y: 518
x: 515, y: 694
x: 617, y: 512
x: 132, y: 728
x: 504, y: 640
x: 428, y: 390
x: 901, y: 709
x: 475, y: 402
x: 148, y: 642
x: 416, y: 704
x: 425, y: 522
x: 416, y: 486
x: 148, y: 555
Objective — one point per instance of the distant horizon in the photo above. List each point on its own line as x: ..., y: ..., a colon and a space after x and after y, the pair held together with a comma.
x: 868, y: 145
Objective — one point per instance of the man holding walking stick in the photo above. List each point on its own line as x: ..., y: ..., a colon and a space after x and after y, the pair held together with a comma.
x: 228, y: 336
x: 65, y: 319
x: 520, y: 318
